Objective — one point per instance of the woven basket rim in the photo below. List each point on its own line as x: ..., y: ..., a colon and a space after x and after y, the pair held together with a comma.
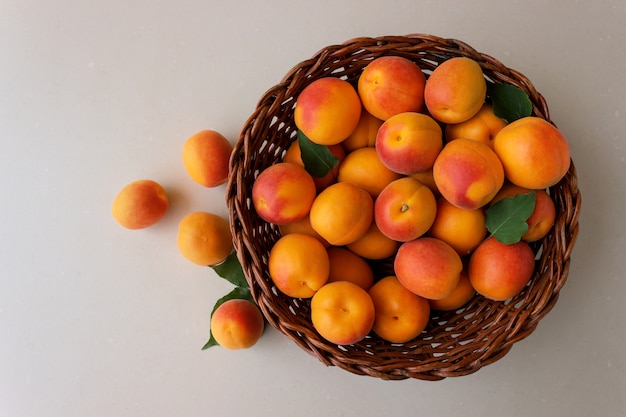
x: 455, y: 343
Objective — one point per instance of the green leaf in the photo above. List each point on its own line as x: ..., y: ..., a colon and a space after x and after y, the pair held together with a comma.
x: 506, y: 220
x: 509, y: 102
x: 235, y: 294
x: 231, y: 270
x: 318, y: 159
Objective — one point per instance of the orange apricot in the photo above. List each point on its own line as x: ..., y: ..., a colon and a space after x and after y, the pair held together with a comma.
x: 400, y: 314
x: 534, y: 153
x: 363, y: 167
x: 374, y: 244
x: 463, y: 229
x: 342, y: 312
x: 283, y: 193
x: 204, y: 238
x: 342, y: 213
x: 206, y: 158
x: 327, y: 110
x: 348, y: 266
x: 461, y: 295
x: 140, y: 204
x: 237, y: 324
x: 298, y: 265
x: 468, y: 173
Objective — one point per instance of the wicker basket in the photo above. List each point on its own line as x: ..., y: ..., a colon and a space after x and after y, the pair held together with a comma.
x: 454, y: 343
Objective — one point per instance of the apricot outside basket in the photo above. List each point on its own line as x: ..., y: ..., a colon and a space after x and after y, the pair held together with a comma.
x: 455, y: 343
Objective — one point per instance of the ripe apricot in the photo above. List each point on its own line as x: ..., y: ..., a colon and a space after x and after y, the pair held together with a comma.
x: 204, y: 238
x: 364, y: 134
x: 327, y: 110
x: 363, y: 167
x: 342, y: 312
x: 342, y: 213
x: 461, y: 295
x: 498, y: 271
x: 298, y: 265
x: 206, y: 157
x: 140, y: 204
x: 409, y: 142
x: 428, y: 267
x: 463, y: 229
x: 345, y: 265
x: 237, y: 324
x: 374, y: 244
x: 400, y: 314
x: 456, y: 90
x: 534, y: 153
x: 483, y: 127
x: 427, y: 178
x: 468, y: 173
x: 405, y: 209
x: 283, y: 193
x: 390, y: 85
x: 302, y: 226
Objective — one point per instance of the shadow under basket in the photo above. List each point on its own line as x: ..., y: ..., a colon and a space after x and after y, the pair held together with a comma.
x: 454, y: 343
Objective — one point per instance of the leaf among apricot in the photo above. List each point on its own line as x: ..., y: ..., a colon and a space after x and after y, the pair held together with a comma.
x: 509, y: 102
x: 318, y: 159
x: 506, y: 219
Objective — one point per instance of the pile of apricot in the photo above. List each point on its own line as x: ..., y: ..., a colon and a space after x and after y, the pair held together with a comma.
x: 419, y: 160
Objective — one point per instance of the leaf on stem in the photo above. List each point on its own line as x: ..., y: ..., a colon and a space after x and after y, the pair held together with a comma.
x: 231, y: 270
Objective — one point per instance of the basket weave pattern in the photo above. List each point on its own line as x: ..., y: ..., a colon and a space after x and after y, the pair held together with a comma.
x: 454, y: 343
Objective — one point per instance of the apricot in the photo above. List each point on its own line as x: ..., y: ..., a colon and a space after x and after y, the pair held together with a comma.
x: 534, y: 153
x: 390, y: 85
x: 327, y: 110
x: 364, y: 134
x: 283, y: 193
x: 206, y: 157
x: 342, y: 312
x: 204, y: 238
x: 237, y: 324
x: 468, y: 173
x: 543, y: 216
x: 348, y: 266
x: 140, y: 204
x: 463, y: 229
x: 298, y: 265
x: 428, y: 267
x: 427, y: 178
x: 302, y: 226
x: 483, y: 127
x: 461, y: 295
x: 408, y: 143
x: 342, y: 213
x: 456, y: 90
x: 400, y: 315
x: 294, y: 155
x: 364, y: 168
x: 498, y: 271
x: 374, y: 244
x: 405, y: 209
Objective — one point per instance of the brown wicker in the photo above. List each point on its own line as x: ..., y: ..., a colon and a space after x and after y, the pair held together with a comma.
x: 455, y: 343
